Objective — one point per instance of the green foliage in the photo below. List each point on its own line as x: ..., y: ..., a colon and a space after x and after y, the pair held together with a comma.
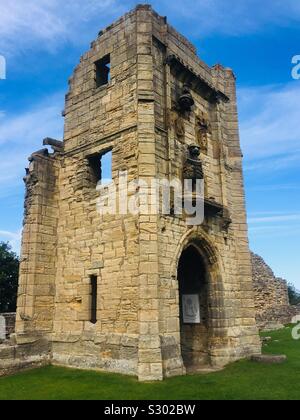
x: 9, y: 272
x: 294, y: 295
x: 244, y: 380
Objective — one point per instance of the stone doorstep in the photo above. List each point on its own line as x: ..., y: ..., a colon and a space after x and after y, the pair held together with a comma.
x: 271, y: 326
x: 269, y: 359
x: 202, y: 370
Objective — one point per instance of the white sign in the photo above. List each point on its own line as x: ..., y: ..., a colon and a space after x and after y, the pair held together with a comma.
x: 2, y: 328
x: 191, y: 309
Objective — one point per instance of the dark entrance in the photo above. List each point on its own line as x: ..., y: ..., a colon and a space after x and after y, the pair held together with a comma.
x: 194, y: 325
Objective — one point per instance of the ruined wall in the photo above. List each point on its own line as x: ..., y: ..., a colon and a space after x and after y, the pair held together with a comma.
x: 271, y: 296
x: 38, y: 256
x: 98, y: 119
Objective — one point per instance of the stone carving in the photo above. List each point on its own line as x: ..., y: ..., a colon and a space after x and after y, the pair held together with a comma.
x: 186, y: 101
x: 226, y: 219
x: 25, y: 317
x: 176, y: 121
x: 193, y: 168
x: 30, y: 181
x: 179, y: 127
x: 203, y: 129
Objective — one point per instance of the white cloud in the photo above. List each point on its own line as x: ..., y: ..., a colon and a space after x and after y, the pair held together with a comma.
x: 14, y: 238
x: 231, y: 17
x: 272, y: 219
x: 274, y: 225
x: 272, y: 163
x: 268, y: 213
x: 280, y: 232
x: 270, y: 126
x: 274, y: 187
x: 46, y: 24
x: 21, y: 135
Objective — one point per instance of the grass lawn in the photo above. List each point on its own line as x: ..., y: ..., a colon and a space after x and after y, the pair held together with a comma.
x: 241, y: 380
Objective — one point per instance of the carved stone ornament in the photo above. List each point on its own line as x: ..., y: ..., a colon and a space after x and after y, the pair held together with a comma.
x: 180, y: 127
x: 185, y: 100
x: 193, y: 168
x: 177, y: 122
x: 203, y: 129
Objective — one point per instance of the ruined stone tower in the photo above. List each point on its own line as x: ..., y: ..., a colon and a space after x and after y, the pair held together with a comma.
x: 109, y: 291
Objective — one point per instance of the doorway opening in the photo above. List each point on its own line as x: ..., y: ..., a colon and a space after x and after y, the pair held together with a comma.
x: 194, y: 314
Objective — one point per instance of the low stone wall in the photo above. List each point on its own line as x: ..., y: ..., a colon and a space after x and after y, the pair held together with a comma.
x: 22, y: 354
x: 271, y: 297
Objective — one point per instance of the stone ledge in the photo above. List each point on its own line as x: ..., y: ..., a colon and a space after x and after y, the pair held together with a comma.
x: 269, y: 359
x: 12, y: 366
x: 96, y: 363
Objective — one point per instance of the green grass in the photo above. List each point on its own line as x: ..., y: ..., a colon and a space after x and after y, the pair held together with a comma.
x: 239, y: 381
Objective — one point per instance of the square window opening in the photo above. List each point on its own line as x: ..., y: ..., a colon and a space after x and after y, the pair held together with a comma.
x: 101, y: 168
x: 103, y: 71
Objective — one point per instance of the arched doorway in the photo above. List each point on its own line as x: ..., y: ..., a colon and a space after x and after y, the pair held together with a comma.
x: 193, y: 278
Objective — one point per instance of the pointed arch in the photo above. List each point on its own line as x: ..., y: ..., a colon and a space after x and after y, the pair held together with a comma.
x: 205, y: 281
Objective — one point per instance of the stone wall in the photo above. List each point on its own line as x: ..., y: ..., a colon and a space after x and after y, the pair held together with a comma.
x: 271, y: 296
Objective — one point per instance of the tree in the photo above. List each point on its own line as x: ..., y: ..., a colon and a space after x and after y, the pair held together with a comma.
x: 9, y: 272
x: 294, y: 295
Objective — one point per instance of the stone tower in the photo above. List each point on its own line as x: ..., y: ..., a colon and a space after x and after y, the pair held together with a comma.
x: 140, y: 294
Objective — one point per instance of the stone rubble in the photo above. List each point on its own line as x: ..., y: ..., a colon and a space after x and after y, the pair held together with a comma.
x: 273, y: 309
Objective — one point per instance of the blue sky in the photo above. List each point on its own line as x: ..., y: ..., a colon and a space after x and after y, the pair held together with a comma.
x: 43, y: 41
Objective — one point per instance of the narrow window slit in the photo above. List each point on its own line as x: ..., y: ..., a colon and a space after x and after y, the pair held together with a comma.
x: 94, y: 293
